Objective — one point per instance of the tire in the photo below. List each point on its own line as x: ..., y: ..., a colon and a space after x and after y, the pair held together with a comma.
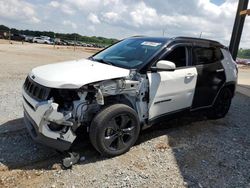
x: 221, y: 105
x: 114, y: 130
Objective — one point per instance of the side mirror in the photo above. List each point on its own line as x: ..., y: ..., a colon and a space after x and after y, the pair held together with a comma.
x: 165, y: 65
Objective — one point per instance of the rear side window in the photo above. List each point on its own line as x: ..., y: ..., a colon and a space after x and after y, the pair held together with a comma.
x: 206, y: 55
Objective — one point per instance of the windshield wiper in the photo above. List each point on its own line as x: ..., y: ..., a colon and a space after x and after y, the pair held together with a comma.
x: 102, y: 61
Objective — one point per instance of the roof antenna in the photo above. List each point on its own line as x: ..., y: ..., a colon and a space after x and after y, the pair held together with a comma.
x: 200, y: 34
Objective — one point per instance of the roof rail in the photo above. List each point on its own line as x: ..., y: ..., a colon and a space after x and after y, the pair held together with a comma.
x: 194, y: 38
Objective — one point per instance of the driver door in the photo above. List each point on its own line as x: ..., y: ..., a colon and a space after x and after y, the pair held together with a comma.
x: 171, y: 91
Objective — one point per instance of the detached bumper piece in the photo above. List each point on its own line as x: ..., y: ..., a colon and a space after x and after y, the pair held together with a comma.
x: 33, y: 129
x: 71, y: 160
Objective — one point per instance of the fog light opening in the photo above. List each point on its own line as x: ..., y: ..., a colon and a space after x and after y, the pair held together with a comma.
x: 55, y: 127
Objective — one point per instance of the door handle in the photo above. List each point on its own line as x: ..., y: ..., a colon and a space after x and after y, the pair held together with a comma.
x: 220, y: 70
x: 190, y: 74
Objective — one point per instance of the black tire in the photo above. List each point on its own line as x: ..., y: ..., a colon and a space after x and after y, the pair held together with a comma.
x: 114, y: 130
x: 221, y: 105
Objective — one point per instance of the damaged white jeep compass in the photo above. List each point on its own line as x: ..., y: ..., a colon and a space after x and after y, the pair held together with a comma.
x: 125, y: 88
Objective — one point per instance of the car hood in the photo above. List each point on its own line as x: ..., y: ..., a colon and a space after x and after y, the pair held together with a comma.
x: 74, y: 74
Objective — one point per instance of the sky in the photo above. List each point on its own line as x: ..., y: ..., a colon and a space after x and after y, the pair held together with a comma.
x: 124, y: 18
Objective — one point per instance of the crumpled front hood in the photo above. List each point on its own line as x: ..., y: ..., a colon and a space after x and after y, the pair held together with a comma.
x: 74, y: 74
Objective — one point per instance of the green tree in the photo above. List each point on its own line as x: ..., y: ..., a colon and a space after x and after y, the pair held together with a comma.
x: 244, y: 53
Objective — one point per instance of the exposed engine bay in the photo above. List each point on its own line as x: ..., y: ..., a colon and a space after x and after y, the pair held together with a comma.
x: 69, y: 109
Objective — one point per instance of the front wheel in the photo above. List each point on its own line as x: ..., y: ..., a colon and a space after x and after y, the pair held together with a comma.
x: 221, y: 105
x: 114, y: 130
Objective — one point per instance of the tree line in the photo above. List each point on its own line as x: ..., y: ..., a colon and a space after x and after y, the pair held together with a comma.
x: 244, y: 53
x: 64, y: 36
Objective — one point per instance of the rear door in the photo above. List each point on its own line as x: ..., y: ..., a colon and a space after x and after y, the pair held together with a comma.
x: 171, y: 91
x: 211, y: 75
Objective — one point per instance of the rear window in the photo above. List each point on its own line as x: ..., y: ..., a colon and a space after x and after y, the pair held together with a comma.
x: 206, y: 55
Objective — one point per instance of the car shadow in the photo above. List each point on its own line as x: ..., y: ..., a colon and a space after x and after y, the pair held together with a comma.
x: 19, y: 151
x: 211, y: 153
x: 208, y: 153
x: 12, y: 126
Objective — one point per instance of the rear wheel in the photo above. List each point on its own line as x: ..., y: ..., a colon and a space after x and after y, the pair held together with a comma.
x: 221, y: 105
x: 114, y: 130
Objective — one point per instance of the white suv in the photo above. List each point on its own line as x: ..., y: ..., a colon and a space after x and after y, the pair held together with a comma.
x: 125, y: 88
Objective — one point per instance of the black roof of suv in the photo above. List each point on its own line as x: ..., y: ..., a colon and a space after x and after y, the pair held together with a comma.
x: 192, y: 40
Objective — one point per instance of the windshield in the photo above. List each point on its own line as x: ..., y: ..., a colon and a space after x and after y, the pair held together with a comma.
x: 129, y: 53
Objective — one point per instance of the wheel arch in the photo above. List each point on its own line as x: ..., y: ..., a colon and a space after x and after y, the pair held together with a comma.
x: 231, y: 86
x: 121, y: 99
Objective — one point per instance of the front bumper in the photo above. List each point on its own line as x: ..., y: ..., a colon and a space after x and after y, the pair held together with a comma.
x: 37, y: 116
x: 32, y: 127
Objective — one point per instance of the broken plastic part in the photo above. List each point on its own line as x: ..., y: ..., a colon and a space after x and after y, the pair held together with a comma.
x: 99, y: 97
x: 71, y: 160
x: 53, y: 115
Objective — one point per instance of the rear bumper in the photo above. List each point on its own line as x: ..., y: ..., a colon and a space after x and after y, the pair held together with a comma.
x: 40, y: 138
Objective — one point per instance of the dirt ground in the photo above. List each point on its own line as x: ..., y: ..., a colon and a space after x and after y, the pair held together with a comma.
x: 244, y: 75
x: 188, y: 152
x: 244, y: 80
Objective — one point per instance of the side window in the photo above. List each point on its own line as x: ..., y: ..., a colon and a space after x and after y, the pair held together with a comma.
x: 218, y: 54
x: 177, y: 56
x: 205, y: 55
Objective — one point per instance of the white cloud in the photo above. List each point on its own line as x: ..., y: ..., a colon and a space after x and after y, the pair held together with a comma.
x: 111, y: 17
x: 93, y: 18
x: 63, y: 7
x: 54, y: 4
x: 91, y: 28
x: 67, y: 9
x: 209, y: 9
x: 84, y: 4
x: 69, y: 23
x: 143, y: 15
x: 123, y: 18
x: 18, y: 11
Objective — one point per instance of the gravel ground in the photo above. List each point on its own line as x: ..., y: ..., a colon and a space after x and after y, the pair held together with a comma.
x: 187, y: 152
